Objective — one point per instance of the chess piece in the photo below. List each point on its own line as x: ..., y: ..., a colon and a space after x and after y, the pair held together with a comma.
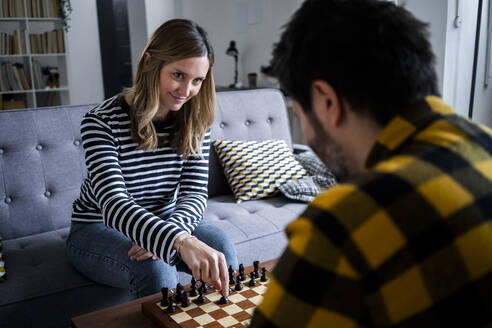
x: 239, y: 286
x: 171, y: 308
x: 179, y: 293
x: 230, y: 290
x: 232, y: 280
x: 252, y: 281
x: 193, y: 291
x: 263, y: 278
x: 186, y: 300
x: 201, y: 298
x: 223, y: 300
x: 204, y: 287
x: 242, y: 275
x: 256, y: 269
x: 164, y: 301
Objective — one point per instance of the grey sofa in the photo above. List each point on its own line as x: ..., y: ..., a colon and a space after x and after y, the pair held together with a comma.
x: 41, y: 169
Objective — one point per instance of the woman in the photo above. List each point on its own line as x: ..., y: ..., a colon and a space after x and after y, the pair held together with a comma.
x: 139, y: 215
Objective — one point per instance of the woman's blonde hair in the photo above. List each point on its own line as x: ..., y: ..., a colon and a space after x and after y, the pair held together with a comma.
x: 174, y: 40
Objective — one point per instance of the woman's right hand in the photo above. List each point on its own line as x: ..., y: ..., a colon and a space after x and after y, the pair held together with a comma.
x: 204, y: 262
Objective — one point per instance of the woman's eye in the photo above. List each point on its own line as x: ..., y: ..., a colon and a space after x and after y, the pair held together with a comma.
x: 178, y: 75
x: 198, y: 81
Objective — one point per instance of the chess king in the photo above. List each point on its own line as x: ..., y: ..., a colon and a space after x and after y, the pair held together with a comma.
x: 405, y: 239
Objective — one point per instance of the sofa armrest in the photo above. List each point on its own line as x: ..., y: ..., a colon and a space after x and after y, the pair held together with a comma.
x: 300, y: 148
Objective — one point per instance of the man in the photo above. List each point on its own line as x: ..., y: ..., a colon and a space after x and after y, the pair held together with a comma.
x: 405, y: 240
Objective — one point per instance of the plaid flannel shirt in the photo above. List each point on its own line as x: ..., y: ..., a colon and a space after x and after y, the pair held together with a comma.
x: 408, y: 243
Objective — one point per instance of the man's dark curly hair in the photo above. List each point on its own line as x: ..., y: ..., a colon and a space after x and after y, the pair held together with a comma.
x: 376, y: 55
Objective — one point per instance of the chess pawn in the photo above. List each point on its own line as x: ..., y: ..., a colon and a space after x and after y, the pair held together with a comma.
x: 201, y: 298
x: 232, y: 280
x: 186, y: 301
x: 193, y: 291
x: 256, y: 269
x: 264, y: 277
x: 171, y: 308
x: 252, y: 281
x: 204, y: 287
x: 223, y: 300
x: 179, y: 293
x: 239, y: 286
x: 164, y: 301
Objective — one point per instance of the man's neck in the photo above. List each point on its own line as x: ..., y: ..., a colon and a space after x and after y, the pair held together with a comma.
x: 357, y: 139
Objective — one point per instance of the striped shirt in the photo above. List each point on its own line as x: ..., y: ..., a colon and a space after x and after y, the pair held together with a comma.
x: 128, y: 188
x: 407, y: 243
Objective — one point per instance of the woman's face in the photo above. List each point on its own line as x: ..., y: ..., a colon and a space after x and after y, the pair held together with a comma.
x: 181, y: 80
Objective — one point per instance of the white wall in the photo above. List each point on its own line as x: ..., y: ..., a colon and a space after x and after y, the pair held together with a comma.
x: 222, y: 21
x: 482, y: 107
x: 156, y: 13
x: 84, y: 56
x: 137, y: 27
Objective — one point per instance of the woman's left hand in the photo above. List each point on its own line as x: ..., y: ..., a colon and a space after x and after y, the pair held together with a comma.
x: 138, y: 253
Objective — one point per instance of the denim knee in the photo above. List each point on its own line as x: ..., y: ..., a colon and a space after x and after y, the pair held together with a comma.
x: 149, y: 276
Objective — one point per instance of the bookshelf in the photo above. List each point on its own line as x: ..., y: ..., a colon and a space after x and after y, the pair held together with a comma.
x: 33, y: 56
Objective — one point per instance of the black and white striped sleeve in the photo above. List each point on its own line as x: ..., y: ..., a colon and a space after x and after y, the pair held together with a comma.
x: 193, y: 189
x: 119, y: 210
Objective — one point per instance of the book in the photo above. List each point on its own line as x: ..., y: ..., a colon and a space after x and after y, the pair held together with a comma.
x: 60, y: 41
x: 23, y: 76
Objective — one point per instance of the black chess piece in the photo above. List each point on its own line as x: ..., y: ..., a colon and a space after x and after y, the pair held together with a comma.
x: 239, y: 286
x: 171, y: 308
x: 223, y: 300
x: 164, y: 301
x: 186, y: 301
x: 242, y: 275
x: 193, y: 291
x: 179, y: 293
x: 204, y: 287
x: 232, y: 280
x: 264, y: 277
x: 256, y: 269
x: 252, y: 281
x: 201, y: 298
x: 230, y: 290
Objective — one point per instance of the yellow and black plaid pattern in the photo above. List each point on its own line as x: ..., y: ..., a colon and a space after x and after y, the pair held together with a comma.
x: 406, y: 244
x: 256, y: 169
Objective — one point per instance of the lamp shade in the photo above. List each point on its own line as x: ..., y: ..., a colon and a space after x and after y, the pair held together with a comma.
x: 232, y: 50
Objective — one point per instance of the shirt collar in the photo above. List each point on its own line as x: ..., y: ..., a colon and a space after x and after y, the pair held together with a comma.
x: 405, y: 125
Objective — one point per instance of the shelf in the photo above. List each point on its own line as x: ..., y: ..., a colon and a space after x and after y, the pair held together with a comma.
x: 15, y: 92
x: 48, y: 55
x: 31, y: 19
x: 13, y: 56
x: 52, y: 90
x: 44, y: 19
x: 12, y: 19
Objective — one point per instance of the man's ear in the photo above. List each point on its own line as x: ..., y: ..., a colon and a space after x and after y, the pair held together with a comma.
x: 326, y: 105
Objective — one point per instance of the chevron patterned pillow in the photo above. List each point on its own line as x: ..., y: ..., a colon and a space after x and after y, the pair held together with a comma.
x: 256, y: 169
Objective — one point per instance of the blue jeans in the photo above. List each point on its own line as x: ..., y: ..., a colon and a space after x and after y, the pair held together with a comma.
x: 101, y: 254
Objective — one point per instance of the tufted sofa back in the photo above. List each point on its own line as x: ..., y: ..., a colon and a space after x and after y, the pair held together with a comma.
x: 259, y: 114
x: 42, y: 160
x: 41, y: 168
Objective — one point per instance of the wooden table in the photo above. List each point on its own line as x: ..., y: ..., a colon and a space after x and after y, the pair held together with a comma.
x: 128, y: 315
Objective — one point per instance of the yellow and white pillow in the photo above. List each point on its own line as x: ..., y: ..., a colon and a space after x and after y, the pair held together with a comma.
x: 255, y: 169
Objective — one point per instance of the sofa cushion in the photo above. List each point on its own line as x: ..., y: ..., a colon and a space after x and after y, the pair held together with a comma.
x: 253, y: 219
x: 256, y: 169
x: 38, y: 266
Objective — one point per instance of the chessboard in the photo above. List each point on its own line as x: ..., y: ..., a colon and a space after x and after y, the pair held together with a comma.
x: 209, y: 309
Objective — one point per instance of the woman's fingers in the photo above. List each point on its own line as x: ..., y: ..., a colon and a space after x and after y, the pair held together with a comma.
x: 138, y: 253
x: 205, y: 263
